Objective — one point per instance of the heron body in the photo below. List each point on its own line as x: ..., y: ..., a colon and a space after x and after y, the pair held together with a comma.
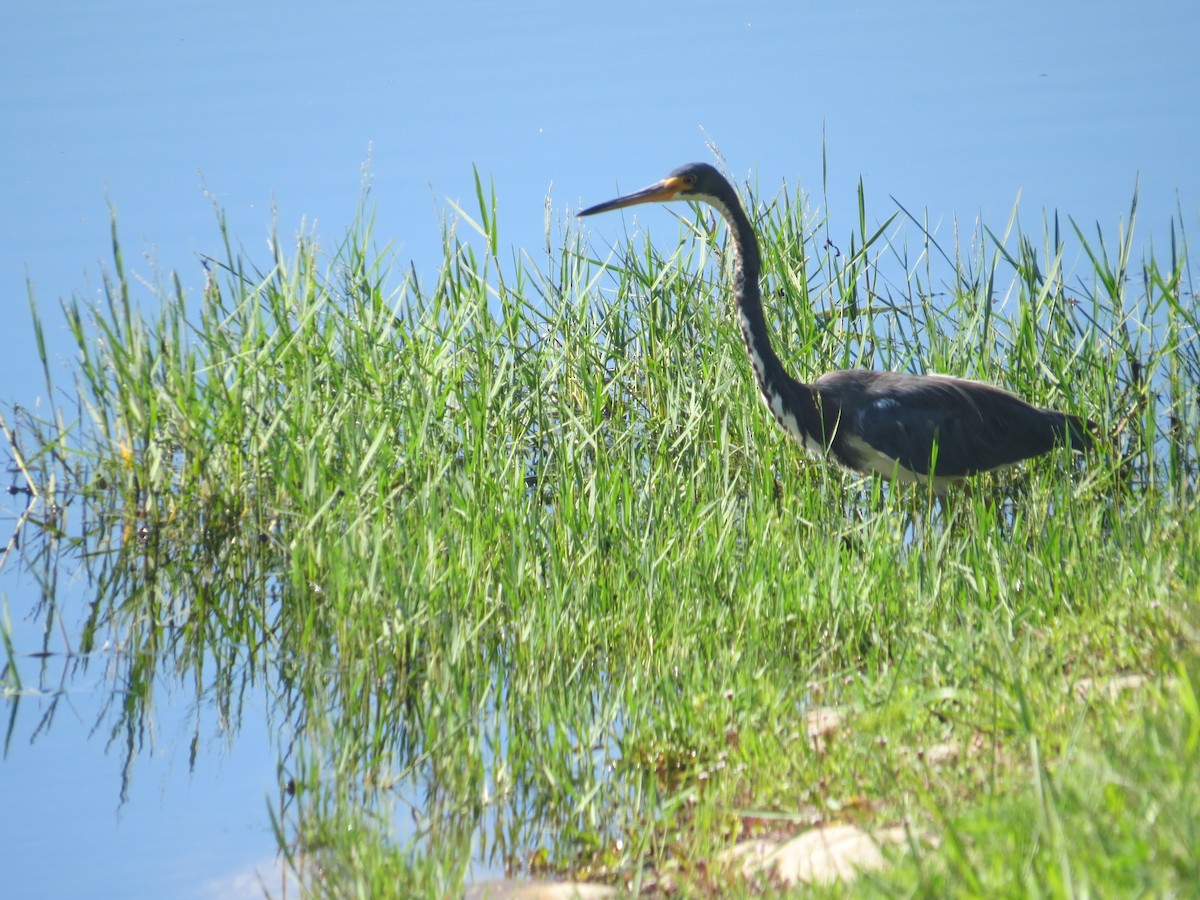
x: 915, y: 428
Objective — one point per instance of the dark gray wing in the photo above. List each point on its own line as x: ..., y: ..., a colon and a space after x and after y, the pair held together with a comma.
x: 974, y: 426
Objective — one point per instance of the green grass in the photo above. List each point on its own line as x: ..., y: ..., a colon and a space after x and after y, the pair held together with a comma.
x: 518, y: 551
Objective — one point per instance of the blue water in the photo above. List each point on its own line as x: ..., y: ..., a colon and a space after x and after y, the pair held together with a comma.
x: 271, y: 109
x: 180, y: 833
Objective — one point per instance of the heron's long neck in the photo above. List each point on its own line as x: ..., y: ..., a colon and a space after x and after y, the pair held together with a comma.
x: 792, y: 403
x: 768, y: 370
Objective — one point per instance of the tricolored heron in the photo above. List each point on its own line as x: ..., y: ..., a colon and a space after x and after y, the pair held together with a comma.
x: 912, y: 428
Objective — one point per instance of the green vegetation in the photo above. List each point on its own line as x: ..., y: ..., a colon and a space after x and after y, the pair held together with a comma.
x: 519, y: 555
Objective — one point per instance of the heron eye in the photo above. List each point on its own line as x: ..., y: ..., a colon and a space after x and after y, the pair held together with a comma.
x: 689, y: 180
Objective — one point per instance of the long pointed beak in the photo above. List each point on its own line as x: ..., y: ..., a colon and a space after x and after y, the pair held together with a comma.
x: 667, y: 189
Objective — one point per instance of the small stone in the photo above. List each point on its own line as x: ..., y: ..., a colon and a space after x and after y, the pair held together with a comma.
x: 821, y: 722
x: 941, y: 754
x: 1108, y: 688
x: 831, y: 853
x: 511, y: 889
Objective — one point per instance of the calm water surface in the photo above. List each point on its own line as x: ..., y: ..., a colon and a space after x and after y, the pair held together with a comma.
x: 270, y: 109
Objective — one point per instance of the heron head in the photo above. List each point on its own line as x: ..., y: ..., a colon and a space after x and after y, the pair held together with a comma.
x: 695, y: 181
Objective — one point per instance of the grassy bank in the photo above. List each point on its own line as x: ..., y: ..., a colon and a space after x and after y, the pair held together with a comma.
x: 520, y: 557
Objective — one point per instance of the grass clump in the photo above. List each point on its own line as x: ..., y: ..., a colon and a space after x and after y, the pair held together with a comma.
x: 516, y: 554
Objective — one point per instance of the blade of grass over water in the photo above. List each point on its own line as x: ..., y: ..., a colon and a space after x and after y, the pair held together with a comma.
x: 534, y: 584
